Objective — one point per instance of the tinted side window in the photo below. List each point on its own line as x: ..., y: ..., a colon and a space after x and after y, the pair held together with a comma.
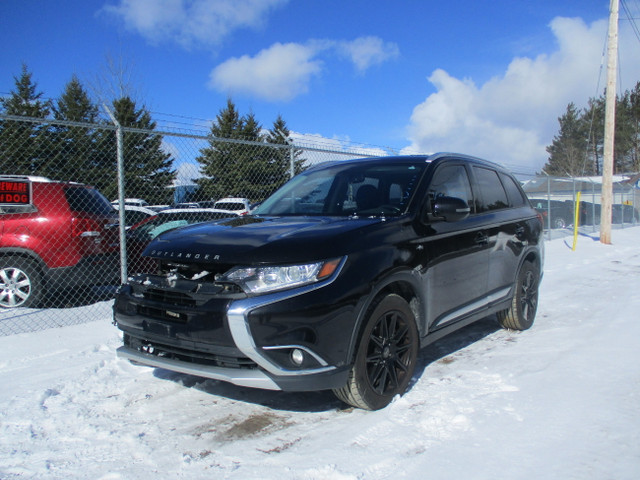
x: 452, y: 181
x: 88, y: 200
x: 516, y: 197
x: 493, y: 195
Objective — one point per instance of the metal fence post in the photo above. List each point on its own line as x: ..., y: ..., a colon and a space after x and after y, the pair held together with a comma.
x: 292, y: 162
x: 549, y: 207
x: 121, y: 196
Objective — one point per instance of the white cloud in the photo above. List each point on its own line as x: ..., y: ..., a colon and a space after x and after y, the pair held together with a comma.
x: 365, y: 52
x: 284, y: 71
x: 186, y: 173
x: 513, y: 117
x: 191, y: 22
x: 280, y: 72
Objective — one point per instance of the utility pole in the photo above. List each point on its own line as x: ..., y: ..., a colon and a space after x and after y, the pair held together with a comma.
x: 609, y: 125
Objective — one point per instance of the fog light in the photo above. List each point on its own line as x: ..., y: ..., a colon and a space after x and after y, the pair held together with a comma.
x: 297, y: 357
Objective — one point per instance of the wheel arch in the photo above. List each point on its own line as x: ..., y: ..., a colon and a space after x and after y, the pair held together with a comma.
x: 26, y: 254
x: 532, y: 256
x: 404, y: 284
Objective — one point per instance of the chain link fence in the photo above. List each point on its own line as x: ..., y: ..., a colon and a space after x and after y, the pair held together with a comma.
x: 80, y: 202
x: 565, y: 203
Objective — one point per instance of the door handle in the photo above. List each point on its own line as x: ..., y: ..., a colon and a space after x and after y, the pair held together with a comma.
x: 481, y: 238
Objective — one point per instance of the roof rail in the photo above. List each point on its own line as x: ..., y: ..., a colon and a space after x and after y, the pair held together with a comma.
x: 32, y: 178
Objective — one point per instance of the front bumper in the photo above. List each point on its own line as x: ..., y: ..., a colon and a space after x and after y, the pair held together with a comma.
x: 247, y: 341
x: 253, y: 378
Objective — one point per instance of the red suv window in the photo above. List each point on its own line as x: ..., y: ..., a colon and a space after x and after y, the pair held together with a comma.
x: 88, y: 200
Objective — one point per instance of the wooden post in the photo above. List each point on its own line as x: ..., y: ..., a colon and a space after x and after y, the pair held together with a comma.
x: 609, y: 125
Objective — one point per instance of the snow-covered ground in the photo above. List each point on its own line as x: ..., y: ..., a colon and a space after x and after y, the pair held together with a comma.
x: 560, y: 401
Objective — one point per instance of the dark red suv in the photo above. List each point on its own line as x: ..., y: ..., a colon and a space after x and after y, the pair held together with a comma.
x: 53, y: 236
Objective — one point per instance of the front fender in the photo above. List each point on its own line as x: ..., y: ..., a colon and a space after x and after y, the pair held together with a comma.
x: 405, y: 282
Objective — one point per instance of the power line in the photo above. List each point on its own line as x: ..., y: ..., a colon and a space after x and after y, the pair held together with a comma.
x: 631, y: 19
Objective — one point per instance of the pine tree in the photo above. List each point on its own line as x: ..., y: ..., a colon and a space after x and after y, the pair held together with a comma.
x: 567, y: 153
x: 240, y: 170
x: 73, y: 147
x: 594, y: 117
x: 625, y: 136
x: 634, y: 120
x: 149, y: 170
x: 626, y: 157
x: 282, y: 157
x: 23, y: 149
x: 221, y: 163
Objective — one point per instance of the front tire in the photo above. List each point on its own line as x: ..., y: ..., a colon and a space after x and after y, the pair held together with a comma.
x: 524, y: 305
x: 386, y: 357
x: 20, y: 283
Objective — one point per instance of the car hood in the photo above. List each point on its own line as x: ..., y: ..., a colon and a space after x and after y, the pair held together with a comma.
x: 250, y: 240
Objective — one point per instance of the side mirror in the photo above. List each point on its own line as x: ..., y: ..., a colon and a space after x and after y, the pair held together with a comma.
x: 451, y: 209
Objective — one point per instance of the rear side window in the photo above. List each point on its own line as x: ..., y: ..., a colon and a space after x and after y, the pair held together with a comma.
x: 516, y: 197
x: 491, y: 190
x: 88, y: 200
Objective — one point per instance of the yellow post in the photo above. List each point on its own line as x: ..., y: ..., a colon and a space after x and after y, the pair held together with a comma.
x: 576, y: 220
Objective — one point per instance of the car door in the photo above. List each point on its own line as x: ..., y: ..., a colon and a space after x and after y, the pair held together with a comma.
x: 505, y: 227
x: 455, y: 254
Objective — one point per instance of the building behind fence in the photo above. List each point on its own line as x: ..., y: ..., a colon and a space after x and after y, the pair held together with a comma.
x: 129, y: 167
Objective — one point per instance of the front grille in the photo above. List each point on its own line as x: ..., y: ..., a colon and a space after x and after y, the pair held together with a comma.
x: 162, y: 314
x: 170, y: 297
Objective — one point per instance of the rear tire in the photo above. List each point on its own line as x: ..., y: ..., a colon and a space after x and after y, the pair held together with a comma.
x: 560, y: 222
x: 386, y: 356
x: 20, y: 283
x: 523, y: 308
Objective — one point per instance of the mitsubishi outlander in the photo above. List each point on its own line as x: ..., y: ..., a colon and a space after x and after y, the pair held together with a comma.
x: 339, y: 278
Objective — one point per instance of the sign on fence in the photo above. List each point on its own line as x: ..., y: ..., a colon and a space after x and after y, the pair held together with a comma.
x: 15, y: 192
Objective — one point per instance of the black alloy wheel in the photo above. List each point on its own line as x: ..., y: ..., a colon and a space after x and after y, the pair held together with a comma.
x: 386, y: 357
x: 521, y: 314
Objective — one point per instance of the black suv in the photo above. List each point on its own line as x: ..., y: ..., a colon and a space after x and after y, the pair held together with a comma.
x: 338, y: 278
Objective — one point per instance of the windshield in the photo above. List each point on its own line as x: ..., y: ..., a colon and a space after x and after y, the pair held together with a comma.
x: 347, y: 189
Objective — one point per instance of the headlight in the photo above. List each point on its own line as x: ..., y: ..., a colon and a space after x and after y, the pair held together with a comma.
x: 267, y: 279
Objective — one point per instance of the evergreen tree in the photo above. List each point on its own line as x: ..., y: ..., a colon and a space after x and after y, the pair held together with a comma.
x: 149, y: 170
x: 634, y: 120
x: 240, y: 170
x: 594, y: 117
x: 23, y: 149
x: 223, y: 163
x: 282, y: 157
x: 626, y: 132
x: 567, y: 153
x: 73, y: 147
x: 626, y: 137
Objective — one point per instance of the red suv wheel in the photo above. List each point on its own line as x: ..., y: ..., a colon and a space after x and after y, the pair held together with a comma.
x: 20, y: 283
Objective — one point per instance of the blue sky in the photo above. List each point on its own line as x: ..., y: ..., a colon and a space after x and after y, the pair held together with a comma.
x: 487, y: 78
